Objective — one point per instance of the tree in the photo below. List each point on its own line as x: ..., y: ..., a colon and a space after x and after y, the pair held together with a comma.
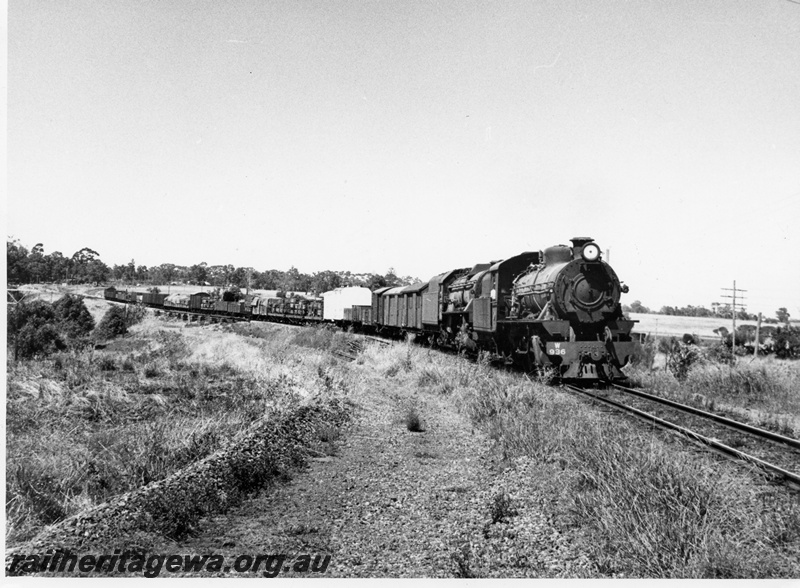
x: 57, y: 266
x: 783, y: 315
x: 87, y: 266
x: 36, y: 263
x: 142, y: 273
x: 16, y: 262
x: 267, y: 280
x: 85, y: 256
x: 198, y: 273
x: 639, y: 308
x: 239, y: 277
x: 130, y: 271
x: 291, y: 280
x: 165, y: 273
x: 97, y: 272
x: 118, y: 272
x: 391, y: 278
x: 227, y: 272
x: 112, y: 324
x: 216, y: 275
x: 375, y: 281
x: 31, y: 329
x: 73, y: 319
x: 325, y: 281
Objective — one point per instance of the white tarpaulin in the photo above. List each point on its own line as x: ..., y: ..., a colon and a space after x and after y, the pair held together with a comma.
x: 337, y: 300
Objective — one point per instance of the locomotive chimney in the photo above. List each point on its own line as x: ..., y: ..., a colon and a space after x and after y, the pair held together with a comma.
x: 578, y: 244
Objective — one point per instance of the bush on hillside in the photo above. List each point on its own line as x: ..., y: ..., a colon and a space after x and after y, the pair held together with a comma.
x: 117, y: 320
x: 32, y: 330
x: 113, y: 324
x: 74, y: 320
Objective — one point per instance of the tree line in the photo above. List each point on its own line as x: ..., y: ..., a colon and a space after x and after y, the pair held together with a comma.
x: 33, y: 266
x: 781, y: 315
x: 85, y: 266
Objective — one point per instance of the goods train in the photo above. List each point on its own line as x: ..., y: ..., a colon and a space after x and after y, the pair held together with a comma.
x: 557, y: 309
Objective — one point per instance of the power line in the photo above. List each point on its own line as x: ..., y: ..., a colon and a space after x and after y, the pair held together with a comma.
x: 733, y: 308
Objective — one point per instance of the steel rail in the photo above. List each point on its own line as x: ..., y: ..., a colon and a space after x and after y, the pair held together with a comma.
x: 714, y: 417
x: 378, y: 339
x: 789, y: 478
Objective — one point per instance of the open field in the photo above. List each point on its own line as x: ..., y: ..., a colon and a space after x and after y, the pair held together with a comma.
x: 661, y: 325
x: 430, y: 466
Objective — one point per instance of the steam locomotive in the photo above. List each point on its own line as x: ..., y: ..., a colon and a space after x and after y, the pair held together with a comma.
x: 557, y: 309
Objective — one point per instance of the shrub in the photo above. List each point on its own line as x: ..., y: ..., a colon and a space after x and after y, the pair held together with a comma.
x: 113, y: 324
x: 667, y: 344
x: 463, y: 560
x: 645, y: 354
x: 328, y: 435
x: 502, y: 508
x: 720, y: 353
x: 106, y: 364
x: 151, y: 371
x: 74, y: 319
x: 413, y: 421
x: 32, y: 331
x: 787, y: 343
x: 682, y: 358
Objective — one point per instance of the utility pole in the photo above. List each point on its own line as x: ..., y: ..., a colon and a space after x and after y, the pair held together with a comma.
x: 734, y: 309
x: 758, y: 328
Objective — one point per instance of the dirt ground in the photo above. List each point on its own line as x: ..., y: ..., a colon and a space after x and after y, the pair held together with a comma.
x: 390, y: 502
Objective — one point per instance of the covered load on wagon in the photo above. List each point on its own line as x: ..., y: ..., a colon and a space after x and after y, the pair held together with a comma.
x: 340, y: 298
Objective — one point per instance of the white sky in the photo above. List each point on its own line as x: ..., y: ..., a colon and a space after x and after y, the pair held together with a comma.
x: 419, y: 135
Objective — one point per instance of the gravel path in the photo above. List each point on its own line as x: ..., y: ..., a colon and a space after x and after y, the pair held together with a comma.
x: 394, y: 503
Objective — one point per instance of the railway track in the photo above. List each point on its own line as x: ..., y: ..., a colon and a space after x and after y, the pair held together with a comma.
x: 774, y: 455
x: 188, y: 315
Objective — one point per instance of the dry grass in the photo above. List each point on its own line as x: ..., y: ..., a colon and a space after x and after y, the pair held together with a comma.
x: 645, y: 508
x: 764, y: 390
x: 83, y: 428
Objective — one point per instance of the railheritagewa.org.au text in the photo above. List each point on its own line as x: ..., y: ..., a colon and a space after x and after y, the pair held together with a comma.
x: 152, y: 566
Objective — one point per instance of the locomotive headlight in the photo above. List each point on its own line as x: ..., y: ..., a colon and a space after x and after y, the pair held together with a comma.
x: 591, y: 252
